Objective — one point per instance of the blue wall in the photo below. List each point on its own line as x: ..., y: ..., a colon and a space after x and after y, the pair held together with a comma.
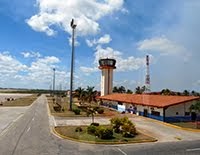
x: 178, y: 119
x: 160, y: 118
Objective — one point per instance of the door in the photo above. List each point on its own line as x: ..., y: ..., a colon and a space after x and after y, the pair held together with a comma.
x: 145, y: 113
x: 193, y: 116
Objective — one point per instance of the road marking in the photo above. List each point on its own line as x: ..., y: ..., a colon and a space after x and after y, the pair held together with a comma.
x: 54, y: 121
x: 195, y: 149
x: 122, y: 151
x: 28, y: 129
x: 4, y: 131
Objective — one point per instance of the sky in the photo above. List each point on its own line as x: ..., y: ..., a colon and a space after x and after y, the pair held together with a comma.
x: 35, y: 37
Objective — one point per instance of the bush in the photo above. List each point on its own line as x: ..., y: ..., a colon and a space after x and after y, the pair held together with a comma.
x: 78, y: 129
x: 95, y: 124
x: 77, y: 111
x: 91, y: 129
x: 104, y: 133
x: 117, y: 123
x: 96, y: 108
x: 100, y: 110
x: 129, y: 130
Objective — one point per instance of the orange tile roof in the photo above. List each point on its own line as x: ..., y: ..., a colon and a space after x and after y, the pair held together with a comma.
x: 149, y: 100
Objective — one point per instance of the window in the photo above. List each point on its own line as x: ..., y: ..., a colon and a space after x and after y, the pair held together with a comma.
x: 155, y: 113
x: 187, y: 113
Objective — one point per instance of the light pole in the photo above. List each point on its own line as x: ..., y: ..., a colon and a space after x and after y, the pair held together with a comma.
x: 54, y: 81
x: 73, y: 26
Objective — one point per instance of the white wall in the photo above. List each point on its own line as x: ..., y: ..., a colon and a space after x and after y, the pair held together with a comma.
x: 149, y: 108
x: 180, y: 108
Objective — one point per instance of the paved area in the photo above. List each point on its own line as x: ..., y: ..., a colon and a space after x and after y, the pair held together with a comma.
x: 9, y: 115
x: 31, y: 135
x: 150, y: 127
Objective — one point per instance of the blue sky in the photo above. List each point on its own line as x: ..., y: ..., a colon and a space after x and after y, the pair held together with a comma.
x: 35, y: 37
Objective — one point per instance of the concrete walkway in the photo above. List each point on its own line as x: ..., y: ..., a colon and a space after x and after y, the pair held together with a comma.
x: 148, y: 126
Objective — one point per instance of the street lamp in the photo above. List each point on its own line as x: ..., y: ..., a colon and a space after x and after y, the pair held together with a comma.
x: 54, y: 78
x: 73, y: 26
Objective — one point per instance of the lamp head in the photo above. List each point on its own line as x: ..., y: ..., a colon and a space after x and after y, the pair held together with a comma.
x: 72, y: 24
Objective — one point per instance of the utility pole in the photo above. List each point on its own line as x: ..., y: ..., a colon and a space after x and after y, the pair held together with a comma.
x: 54, y: 76
x: 73, y: 26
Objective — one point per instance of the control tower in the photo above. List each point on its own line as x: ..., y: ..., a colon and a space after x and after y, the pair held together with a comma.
x: 106, y: 66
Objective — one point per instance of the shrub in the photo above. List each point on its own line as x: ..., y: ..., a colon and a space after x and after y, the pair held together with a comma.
x: 104, y: 133
x: 116, y: 122
x: 91, y: 129
x: 96, y: 108
x: 128, y: 130
x: 57, y: 108
x: 100, y: 110
x: 77, y: 111
x: 79, y: 129
x: 95, y: 124
x: 124, y: 126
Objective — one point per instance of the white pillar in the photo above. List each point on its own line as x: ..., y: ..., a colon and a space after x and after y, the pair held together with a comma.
x: 106, y: 81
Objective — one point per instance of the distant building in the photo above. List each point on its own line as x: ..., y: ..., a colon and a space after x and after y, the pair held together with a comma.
x: 160, y: 107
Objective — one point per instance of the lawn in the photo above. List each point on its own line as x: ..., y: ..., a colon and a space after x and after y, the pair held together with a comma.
x: 66, y: 113
x: 69, y: 131
x: 191, y: 125
x: 23, y: 101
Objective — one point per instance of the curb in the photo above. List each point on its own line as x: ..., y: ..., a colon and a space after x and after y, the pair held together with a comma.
x: 171, y: 125
x: 106, y: 143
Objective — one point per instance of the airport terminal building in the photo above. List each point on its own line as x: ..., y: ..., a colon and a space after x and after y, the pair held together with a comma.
x: 160, y: 107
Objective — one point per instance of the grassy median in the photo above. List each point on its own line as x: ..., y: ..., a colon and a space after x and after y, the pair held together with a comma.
x: 69, y: 132
x: 23, y: 101
x: 65, y: 112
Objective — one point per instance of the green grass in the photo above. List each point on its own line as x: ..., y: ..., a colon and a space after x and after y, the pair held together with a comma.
x: 191, y: 125
x: 65, y: 106
x: 69, y: 131
x: 67, y: 113
x: 24, y: 101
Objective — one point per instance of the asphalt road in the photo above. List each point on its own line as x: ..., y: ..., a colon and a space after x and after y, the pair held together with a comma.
x: 31, y: 135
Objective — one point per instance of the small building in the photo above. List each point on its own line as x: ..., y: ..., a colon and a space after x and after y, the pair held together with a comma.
x: 160, y: 107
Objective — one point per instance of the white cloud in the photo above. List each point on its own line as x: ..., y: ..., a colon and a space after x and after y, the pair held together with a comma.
x: 102, y: 40
x: 38, y: 74
x: 123, y: 64
x: 88, y: 70
x: 9, y: 65
x: 31, y: 54
x: 162, y: 45
x: 59, y: 13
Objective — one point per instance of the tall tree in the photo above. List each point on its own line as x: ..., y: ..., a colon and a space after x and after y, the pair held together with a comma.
x: 80, y: 94
x: 91, y: 94
x: 140, y: 90
x: 129, y: 91
x: 115, y: 89
x: 122, y: 89
x: 186, y: 93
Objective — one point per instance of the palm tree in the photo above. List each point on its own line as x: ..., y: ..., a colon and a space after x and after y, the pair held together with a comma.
x: 129, y: 91
x: 140, y: 90
x: 122, y: 89
x: 90, y: 94
x: 80, y: 93
x: 196, y: 108
x: 115, y: 89
x: 186, y: 93
x: 166, y: 92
